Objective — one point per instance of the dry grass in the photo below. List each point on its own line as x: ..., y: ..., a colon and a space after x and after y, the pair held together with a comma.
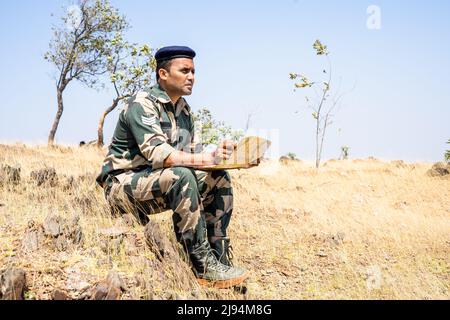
x: 361, y: 229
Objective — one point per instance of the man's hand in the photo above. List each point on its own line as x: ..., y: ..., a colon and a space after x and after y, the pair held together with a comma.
x: 224, y: 150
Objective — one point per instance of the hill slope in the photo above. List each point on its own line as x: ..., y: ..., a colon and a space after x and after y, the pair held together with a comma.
x: 362, y: 229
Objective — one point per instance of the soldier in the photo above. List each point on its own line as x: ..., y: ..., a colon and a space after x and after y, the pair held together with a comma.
x: 150, y: 167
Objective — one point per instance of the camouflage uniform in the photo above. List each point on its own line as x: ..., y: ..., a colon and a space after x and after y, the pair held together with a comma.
x: 133, y: 177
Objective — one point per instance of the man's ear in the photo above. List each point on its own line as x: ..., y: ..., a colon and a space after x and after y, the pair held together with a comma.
x: 163, y: 74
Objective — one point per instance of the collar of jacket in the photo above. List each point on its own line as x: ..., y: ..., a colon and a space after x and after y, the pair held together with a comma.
x: 158, y: 93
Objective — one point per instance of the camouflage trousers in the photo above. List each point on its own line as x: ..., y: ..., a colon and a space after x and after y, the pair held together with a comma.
x: 199, y: 200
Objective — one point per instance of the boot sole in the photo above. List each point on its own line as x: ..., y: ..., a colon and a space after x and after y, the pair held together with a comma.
x: 223, y: 284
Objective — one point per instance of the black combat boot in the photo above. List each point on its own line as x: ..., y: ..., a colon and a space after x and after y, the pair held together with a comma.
x: 209, y: 271
x: 223, y: 250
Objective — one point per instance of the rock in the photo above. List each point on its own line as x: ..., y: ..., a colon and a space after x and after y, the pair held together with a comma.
x: 284, y: 159
x: 54, y: 226
x: 114, y: 280
x: 10, y: 175
x: 75, y: 233
x: 157, y: 241
x: 63, y: 233
x: 33, y: 238
x: 287, y: 160
x: 399, y: 163
x: 112, y: 239
x: 111, y: 246
x: 113, y: 294
x: 140, y: 281
x: 12, y: 284
x: 60, y: 243
x: 338, y: 238
x: 113, y: 232
x: 100, y: 291
x: 196, y: 294
x: 75, y: 281
x: 46, y: 176
x: 111, y: 289
x: 133, y: 246
x: 321, y: 254
x: 60, y: 295
x: 172, y: 295
x: 439, y: 169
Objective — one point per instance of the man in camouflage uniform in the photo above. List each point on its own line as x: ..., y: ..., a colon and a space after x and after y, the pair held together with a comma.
x: 151, y: 166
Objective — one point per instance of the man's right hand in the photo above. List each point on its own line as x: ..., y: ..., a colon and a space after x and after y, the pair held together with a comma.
x: 224, y: 150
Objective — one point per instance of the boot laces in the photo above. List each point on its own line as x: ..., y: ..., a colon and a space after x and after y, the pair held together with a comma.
x: 230, y: 253
x: 213, y: 262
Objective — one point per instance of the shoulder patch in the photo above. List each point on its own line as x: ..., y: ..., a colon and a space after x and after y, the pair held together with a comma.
x: 152, y: 98
x: 149, y: 121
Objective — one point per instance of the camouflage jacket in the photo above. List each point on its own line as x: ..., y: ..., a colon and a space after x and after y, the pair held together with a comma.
x: 150, y: 127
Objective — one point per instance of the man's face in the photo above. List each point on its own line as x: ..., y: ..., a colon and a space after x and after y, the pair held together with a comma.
x: 180, y: 77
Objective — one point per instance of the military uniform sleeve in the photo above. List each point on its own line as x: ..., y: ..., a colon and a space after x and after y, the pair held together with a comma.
x: 146, y: 129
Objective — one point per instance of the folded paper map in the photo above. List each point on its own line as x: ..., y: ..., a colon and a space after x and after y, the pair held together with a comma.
x: 247, y: 153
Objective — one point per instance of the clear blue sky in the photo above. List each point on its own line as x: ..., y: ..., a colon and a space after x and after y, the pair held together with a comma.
x: 399, y: 107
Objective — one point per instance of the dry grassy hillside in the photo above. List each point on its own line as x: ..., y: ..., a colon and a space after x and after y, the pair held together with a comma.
x: 361, y: 229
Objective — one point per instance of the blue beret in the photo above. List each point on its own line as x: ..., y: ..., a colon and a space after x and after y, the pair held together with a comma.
x: 172, y: 52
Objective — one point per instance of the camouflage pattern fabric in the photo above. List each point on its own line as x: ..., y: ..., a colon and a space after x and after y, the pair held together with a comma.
x: 148, y: 130
x: 134, y: 180
x: 194, y: 196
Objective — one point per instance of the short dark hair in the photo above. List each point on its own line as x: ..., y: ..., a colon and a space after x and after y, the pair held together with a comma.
x: 162, y: 65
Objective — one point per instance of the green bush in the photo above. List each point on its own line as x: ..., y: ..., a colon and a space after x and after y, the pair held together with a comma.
x: 211, y: 131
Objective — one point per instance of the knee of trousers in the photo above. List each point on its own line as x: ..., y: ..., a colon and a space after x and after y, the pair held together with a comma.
x: 223, y: 178
x: 178, y: 175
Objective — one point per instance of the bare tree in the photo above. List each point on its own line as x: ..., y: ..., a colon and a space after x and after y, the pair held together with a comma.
x: 79, y: 45
x: 130, y: 69
x: 324, y: 103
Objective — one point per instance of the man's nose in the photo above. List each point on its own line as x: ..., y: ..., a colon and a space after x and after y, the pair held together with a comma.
x: 190, y: 76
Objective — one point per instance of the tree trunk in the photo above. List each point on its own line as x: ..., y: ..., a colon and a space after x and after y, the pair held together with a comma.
x: 317, y: 141
x: 51, y: 137
x: 100, y: 142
